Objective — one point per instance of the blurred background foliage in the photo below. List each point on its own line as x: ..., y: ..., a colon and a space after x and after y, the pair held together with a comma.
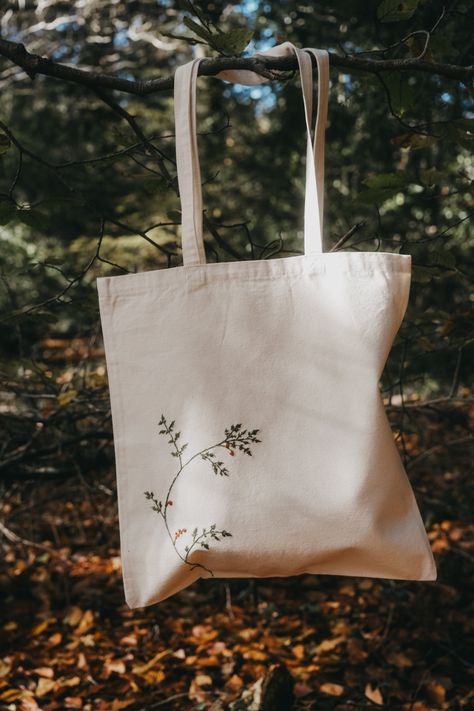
x: 88, y: 188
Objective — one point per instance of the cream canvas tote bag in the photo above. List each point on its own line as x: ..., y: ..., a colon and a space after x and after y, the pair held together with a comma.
x: 250, y: 434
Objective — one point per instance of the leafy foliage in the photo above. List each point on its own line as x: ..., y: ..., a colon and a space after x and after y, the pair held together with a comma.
x: 82, y: 194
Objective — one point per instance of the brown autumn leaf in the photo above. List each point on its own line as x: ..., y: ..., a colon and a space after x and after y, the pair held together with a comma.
x: 203, y: 679
x: 211, y: 661
x: 234, y: 683
x: 154, y: 676
x: 195, y: 692
x: 73, y: 616
x: 299, y: 651
x: 248, y: 633
x: 114, y: 665
x: 55, y: 639
x: 119, y: 704
x: 28, y: 704
x: 44, y: 686
x: 47, y: 672
x: 85, y: 623
x: 69, y: 680
x: 256, y: 655
x: 5, y: 667
x: 374, y: 694
x: 399, y: 659
x: 436, y: 693
x: 11, y: 695
x: 142, y: 668
x: 204, y: 633
x: 130, y: 640
x: 41, y: 626
x: 327, y: 645
x: 332, y: 689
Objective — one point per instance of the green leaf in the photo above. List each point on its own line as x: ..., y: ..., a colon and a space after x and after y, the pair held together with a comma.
x: 197, y: 29
x: 232, y: 43
x: 387, y: 181
x: 402, y: 95
x: 396, y: 10
x: 440, y: 258
x: 383, y: 186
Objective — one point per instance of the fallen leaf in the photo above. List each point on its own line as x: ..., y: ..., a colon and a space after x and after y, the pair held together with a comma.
x: 118, y: 704
x: 142, y: 668
x: 436, y: 693
x: 44, y: 686
x: 234, y: 683
x: 328, y: 645
x: 399, y: 659
x: 39, y: 628
x: 11, y: 695
x: 154, y: 676
x: 130, y: 640
x: 374, y: 694
x: 255, y: 654
x: 73, y: 616
x: 5, y: 668
x: 299, y: 651
x: 86, y: 622
x: 69, y: 681
x: 28, y: 705
x: 211, y: 661
x: 332, y: 689
x: 55, y: 639
x: 204, y: 633
x: 203, y: 679
x: 115, y: 665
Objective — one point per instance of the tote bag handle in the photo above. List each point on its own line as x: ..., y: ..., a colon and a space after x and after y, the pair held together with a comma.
x: 187, y: 158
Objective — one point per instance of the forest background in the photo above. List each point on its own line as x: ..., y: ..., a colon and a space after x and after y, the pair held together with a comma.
x: 88, y: 188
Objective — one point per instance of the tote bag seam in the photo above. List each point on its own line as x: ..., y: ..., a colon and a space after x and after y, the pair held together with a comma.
x: 225, y: 278
x: 122, y: 488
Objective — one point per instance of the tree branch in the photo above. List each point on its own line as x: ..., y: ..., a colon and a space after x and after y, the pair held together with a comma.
x: 33, y: 65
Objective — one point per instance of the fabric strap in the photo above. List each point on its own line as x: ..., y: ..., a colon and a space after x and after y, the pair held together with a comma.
x: 187, y: 158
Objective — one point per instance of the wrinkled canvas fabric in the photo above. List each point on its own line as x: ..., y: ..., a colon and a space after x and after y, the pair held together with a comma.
x: 249, y: 430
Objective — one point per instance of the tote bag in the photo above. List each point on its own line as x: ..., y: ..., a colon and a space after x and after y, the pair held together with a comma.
x: 249, y: 431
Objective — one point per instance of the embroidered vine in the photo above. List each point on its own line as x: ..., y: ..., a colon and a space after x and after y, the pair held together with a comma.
x: 235, y: 438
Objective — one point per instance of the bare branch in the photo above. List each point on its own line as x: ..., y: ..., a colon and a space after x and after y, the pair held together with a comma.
x: 33, y: 65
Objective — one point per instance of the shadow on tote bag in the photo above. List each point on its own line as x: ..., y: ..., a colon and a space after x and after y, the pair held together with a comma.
x: 250, y: 434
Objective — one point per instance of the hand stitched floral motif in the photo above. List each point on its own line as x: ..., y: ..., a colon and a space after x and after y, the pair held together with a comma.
x: 235, y: 438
